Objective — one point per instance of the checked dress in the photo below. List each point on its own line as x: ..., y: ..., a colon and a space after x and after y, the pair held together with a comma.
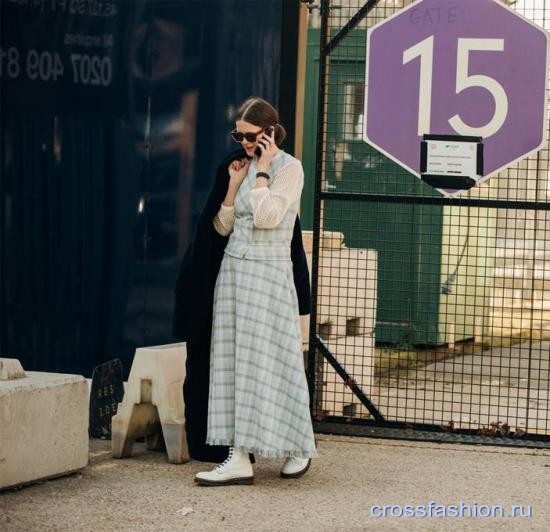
x: 259, y: 399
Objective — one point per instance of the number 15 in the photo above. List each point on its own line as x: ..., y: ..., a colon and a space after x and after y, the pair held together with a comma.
x: 424, y: 50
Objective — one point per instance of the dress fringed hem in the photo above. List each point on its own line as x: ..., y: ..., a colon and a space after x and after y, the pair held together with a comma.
x: 266, y: 453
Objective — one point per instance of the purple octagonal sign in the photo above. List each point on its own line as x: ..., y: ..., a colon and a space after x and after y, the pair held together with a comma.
x: 456, y: 67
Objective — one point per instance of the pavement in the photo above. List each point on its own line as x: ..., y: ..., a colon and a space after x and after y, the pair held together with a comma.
x: 503, y: 385
x: 346, y: 488
x: 522, y: 365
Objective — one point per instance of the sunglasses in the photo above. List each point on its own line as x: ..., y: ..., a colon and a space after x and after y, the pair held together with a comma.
x: 239, y: 136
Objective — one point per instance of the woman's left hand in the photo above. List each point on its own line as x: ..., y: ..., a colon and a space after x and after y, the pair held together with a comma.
x: 268, y: 148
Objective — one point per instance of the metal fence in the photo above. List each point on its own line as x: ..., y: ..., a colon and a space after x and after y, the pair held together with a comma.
x: 431, y: 314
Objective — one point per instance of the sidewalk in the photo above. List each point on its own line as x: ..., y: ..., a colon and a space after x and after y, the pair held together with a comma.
x: 146, y: 493
x: 501, y: 383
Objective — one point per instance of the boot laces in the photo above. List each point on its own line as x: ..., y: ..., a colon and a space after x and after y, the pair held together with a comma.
x: 227, y: 460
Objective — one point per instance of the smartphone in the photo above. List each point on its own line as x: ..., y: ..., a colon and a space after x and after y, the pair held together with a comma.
x: 268, y: 131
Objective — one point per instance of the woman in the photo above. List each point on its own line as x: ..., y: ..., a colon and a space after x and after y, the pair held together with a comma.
x: 258, y: 395
x: 193, y: 309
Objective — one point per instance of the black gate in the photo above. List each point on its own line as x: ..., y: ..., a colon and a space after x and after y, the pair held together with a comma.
x: 431, y: 314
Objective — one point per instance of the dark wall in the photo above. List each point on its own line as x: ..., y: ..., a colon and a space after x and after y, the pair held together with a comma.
x: 112, y: 123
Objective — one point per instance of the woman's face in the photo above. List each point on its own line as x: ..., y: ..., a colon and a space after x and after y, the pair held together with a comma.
x: 246, y: 127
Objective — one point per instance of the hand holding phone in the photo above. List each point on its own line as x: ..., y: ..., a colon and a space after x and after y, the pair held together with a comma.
x: 268, y: 131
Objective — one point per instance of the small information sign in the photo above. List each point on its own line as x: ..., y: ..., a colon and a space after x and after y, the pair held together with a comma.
x: 451, y: 162
x: 107, y: 390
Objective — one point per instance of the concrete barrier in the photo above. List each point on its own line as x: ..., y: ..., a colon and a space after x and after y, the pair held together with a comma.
x: 43, y: 425
x: 10, y: 368
x: 153, y: 404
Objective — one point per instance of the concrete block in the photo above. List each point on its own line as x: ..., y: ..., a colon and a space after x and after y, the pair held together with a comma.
x: 304, y: 320
x: 304, y: 326
x: 356, y: 355
x: 153, y: 403
x: 329, y: 240
x: 331, y: 308
x: 346, y: 296
x: 347, y: 290
x: 349, y: 268
x: 307, y: 239
x: 43, y: 427
x: 331, y: 328
x: 10, y: 368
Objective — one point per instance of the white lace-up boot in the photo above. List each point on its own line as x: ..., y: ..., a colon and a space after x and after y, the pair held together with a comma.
x: 295, y: 467
x: 236, y: 469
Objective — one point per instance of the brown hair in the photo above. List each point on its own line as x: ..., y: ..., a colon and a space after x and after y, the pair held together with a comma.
x: 262, y: 114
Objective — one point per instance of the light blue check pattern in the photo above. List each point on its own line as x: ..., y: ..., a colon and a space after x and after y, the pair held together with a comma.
x: 259, y: 398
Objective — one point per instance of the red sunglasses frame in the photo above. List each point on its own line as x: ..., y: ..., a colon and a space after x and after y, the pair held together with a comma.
x: 250, y: 136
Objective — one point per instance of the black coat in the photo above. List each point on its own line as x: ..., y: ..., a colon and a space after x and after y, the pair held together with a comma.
x: 194, y: 298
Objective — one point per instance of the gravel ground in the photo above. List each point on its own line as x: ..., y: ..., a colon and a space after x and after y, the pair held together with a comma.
x: 351, y: 475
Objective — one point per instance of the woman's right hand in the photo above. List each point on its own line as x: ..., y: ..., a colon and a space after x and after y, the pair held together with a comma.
x: 238, y: 170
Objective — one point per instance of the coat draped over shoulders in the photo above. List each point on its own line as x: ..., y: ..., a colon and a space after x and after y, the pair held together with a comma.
x: 194, y: 291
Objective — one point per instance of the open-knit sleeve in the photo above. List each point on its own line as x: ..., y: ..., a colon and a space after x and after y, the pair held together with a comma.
x: 270, y: 204
x: 224, y: 220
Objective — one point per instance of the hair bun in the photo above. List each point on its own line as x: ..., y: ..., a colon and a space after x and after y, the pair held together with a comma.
x: 280, y: 134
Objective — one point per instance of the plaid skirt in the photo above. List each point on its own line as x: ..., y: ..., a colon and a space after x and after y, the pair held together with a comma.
x: 258, y: 399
